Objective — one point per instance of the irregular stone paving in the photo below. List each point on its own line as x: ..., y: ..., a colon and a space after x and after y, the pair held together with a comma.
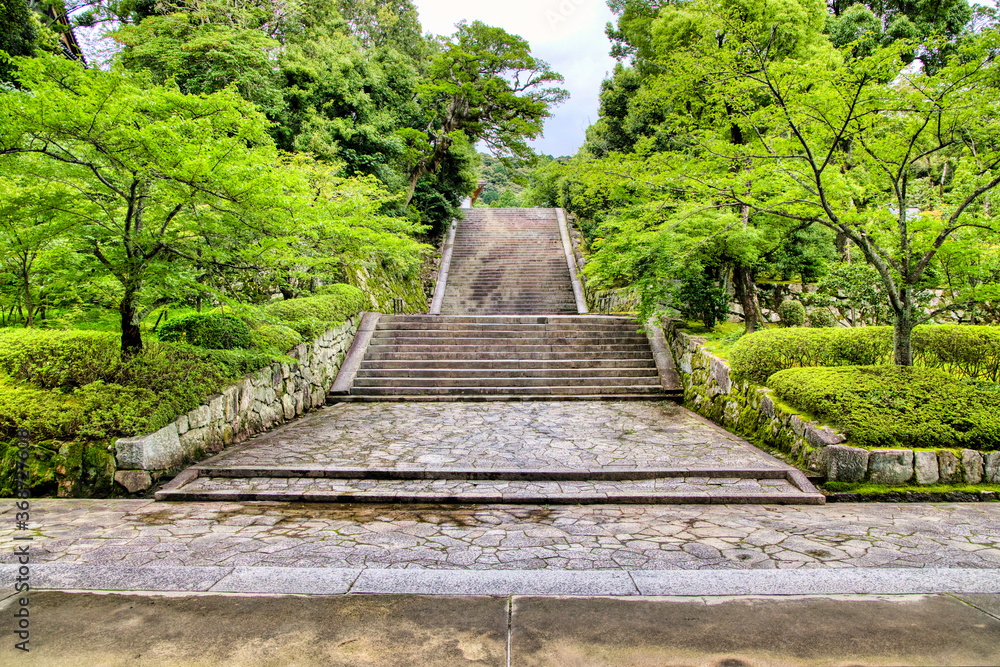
x: 595, y: 537
x: 520, y: 436
x: 296, y: 488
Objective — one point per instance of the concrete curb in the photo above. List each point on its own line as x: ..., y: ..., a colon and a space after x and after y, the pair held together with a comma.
x: 442, y: 281
x: 581, y: 298
x: 355, y: 355
x: 627, y: 583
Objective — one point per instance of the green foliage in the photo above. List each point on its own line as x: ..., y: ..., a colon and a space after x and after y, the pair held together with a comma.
x: 892, y: 406
x: 792, y: 313
x: 969, y: 351
x: 482, y: 85
x: 700, y: 298
x: 277, y: 337
x: 854, y: 290
x: 311, y: 316
x: 18, y: 32
x: 214, y: 331
x: 75, y: 384
x: 820, y: 318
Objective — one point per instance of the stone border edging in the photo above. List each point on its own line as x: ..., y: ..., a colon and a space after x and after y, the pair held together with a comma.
x: 269, y: 580
x: 269, y: 396
x: 749, y: 410
x: 581, y: 298
x: 442, y: 282
x: 669, y: 379
x: 355, y: 355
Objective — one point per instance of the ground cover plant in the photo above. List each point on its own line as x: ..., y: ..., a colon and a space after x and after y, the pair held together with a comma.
x: 894, y: 406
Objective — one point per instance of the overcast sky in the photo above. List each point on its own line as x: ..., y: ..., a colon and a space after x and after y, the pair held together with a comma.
x: 568, y: 34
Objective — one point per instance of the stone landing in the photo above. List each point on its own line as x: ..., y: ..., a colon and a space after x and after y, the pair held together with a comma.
x: 522, y: 453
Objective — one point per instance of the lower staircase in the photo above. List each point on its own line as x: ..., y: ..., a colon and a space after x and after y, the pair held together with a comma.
x: 507, y: 358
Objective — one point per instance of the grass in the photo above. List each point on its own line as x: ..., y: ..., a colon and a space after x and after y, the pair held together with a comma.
x: 864, y: 489
x: 720, y: 339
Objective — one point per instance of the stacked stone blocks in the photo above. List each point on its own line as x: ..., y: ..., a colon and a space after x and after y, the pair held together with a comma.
x: 751, y: 411
x: 258, y: 402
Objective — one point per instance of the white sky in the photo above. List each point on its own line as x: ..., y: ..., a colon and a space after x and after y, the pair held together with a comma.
x: 568, y: 34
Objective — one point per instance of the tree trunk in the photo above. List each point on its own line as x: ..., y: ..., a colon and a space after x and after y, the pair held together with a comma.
x: 131, y: 335
x: 746, y: 293
x: 902, y: 332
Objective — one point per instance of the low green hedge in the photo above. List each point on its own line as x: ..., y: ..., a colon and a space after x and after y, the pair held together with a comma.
x: 75, y: 384
x: 312, y: 316
x: 893, y: 406
x: 213, y: 331
x: 277, y: 337
x: 971, y: 351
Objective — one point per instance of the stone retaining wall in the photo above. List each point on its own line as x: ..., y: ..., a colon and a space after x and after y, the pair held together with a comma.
x: 261, y: 400
x: 751, y: 411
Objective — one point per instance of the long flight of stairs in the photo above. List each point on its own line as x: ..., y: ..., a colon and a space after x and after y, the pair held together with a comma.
x: 509, y: 261
x: 507, y: 358
x: 510, y: 332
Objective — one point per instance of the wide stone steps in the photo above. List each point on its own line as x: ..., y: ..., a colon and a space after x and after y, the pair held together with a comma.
x: 511, y: 366
x: 517, y: 381
x: 504, y: 373
x: 668, y: 490
x: 519, y: 358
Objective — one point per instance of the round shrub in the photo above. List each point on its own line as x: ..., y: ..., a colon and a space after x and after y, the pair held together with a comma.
x: 213, y: 331
x: 792, y: 313
x: 821, y: 318
x: 276, y: 337
x: 896, y: 406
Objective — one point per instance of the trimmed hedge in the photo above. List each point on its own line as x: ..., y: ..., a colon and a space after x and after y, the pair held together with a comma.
x: 893, y: 406
x: 75, y: 384
x: 213, y: 331
x: 312, y: 316
x: 277, y: 337
x: 972, y: 351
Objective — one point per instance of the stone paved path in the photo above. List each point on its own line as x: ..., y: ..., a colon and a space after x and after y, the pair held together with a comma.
x: 542, y: 435
x: 598, y: 537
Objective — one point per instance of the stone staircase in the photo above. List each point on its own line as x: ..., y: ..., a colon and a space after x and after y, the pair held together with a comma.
x: 469, y: 406
x: 507, y: 358
x: 509, y: 261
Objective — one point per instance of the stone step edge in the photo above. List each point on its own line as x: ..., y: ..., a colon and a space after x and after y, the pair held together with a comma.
x: 502, y: 398
x: 643, y: 498
x: 487, y: 474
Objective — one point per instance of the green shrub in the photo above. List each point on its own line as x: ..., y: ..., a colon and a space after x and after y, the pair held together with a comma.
x: 960, y: 349
x: 73, y: 384
x: 821, y: 318
x: 313, y: 315
x: 894, y: 406
x: 213, y: 331
x: 792, y: 313
x: 50, y: 359
x: 277, y: 337
x: 972, y: 351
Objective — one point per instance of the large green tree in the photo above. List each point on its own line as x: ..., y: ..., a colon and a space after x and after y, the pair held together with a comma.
x: 485, y: 85
x: 166, y: 184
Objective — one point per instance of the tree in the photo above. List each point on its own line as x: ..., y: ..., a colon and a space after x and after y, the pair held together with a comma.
x: 485, y: 85
x: 167, y: 185
x: 850, y: 146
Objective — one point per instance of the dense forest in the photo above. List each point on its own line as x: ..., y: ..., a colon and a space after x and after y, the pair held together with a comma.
x: 741, y: 142
x: 229, y: 153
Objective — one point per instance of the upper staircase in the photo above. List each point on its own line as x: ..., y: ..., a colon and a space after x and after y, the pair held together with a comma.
x: 509, y: 261
x: 508, y: 330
